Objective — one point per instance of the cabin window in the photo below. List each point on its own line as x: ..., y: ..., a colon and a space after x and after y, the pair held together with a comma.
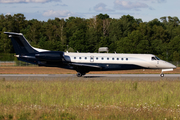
x: 126, y: 58
x: 96, y: 58
x: 85, y: 57
x: 121, y: 58
x: 117, y: 58
x: 102, y: 58
x: 74, y: 57
x: 79, y: 57
x: 153, y: 58
x: 112, y: 58
x: 107, y: 58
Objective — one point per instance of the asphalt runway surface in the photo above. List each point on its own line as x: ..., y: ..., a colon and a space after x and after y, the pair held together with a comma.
x: 146, y: 77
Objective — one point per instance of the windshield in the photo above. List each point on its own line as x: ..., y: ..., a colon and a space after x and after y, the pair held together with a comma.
x: 155, y: 58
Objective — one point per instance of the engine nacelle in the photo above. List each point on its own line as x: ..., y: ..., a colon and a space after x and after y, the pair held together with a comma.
x: 49, y: 56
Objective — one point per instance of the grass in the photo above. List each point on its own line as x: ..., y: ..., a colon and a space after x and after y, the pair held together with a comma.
x: 89, y: 99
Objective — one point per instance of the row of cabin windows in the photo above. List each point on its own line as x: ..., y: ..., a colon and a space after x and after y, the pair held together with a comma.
x: 102, y: 58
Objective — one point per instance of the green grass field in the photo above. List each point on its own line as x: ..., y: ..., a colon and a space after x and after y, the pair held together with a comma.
x: 89, y: 99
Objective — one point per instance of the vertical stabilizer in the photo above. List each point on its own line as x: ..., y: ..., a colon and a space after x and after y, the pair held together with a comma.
x: 20, y: 44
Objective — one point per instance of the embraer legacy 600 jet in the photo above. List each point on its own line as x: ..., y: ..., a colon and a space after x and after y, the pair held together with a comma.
x: 85, y: 62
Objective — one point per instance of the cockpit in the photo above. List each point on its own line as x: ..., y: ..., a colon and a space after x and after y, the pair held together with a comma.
x: 155, y: 58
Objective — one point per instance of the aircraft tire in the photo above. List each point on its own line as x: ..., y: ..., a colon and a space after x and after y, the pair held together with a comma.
x: 79, y: 74
x: 162, y: 75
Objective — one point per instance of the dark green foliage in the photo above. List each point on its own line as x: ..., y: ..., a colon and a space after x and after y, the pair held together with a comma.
x: 6, y: 57
x: 101, y: 16
x: 123, y: 35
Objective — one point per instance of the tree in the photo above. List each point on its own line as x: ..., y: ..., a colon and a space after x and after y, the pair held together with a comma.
x: 76, y: 34
x: 174, y: 45
x: 5, y: 42
x: 102, y: 16
x: 127, y: 24
x: 124, y: 35
x: 164, y: 19
x: 92, y: 44
x: 19, y: 22
x: 124, y: 45
x: 176, y: 57
x: 32, y: 32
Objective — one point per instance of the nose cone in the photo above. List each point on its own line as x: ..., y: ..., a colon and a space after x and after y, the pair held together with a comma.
x: 173, y: 66
x: 165, y: 65
x: 170, y: 65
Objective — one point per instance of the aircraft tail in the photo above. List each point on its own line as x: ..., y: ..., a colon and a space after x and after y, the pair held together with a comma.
x: 20, y: 44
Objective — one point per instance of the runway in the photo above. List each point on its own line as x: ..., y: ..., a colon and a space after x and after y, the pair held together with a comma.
x: 151, y: 77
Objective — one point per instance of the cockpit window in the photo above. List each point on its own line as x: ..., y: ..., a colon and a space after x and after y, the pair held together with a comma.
x: 157, y: 58
x: 153, y: 58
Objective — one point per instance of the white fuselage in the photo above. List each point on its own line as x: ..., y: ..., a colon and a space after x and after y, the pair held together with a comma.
x: 143, y: 60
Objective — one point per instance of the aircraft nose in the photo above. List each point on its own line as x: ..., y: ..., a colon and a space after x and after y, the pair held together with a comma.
x: 172, y: 66
x: 168, y: 65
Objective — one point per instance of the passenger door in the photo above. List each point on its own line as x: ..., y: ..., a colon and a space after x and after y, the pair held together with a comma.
x: 155, y: 61
x: 91, y: 58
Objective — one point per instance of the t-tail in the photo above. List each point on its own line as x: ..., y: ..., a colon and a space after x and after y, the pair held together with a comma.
x: 25, y: 52
x: 20, y: 44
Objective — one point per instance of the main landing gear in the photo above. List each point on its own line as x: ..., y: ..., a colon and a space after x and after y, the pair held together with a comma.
x: 79, y: 74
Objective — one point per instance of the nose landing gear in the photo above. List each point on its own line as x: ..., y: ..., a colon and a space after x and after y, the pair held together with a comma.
x: 162, y: 74
x: 163, y: 70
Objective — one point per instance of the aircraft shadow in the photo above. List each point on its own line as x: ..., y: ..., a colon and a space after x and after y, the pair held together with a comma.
x: 94, y: 76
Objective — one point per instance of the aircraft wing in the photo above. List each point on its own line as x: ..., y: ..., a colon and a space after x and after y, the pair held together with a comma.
x: 86, y: 66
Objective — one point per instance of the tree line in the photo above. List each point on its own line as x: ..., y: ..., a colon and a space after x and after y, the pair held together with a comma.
x: 160, y: 37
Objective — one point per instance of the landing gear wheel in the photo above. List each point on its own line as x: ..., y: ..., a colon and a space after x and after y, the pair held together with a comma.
x: 83, y: 73
x: 162, y: 75
x: 79, y: 74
